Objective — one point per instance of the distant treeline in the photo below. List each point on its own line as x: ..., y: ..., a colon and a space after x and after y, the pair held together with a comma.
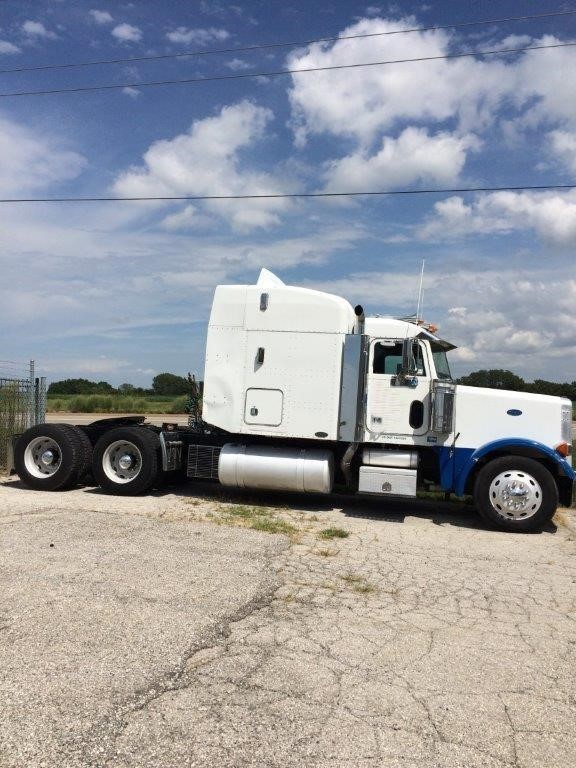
x: 497, y: 378
x: 163, y: 384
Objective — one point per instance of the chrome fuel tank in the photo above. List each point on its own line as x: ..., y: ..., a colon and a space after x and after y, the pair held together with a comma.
x: 281, y: 469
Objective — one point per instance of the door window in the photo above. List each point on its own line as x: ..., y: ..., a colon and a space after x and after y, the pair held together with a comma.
x: 387, y: 359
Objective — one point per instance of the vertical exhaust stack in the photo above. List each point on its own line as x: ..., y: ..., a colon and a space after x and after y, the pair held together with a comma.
x: 359, y: 312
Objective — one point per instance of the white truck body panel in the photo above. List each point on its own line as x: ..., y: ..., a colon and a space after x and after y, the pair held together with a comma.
x: 295, y: 391
x: 482, y: 416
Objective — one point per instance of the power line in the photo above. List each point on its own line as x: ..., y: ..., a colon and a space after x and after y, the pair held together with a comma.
x: 290, y: 195
x: 289, y: 44
x: 277, y: 73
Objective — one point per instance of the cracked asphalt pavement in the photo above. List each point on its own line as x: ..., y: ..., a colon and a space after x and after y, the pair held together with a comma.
x: 163, y: 631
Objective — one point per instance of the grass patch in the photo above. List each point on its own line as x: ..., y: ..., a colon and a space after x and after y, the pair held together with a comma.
x: 325, y: 552
x: 273, y: 525
x: 256, y: 518
x: 358, y: 583
x: 14, y: 411
x: 117, y: 404
x: 333, y: 533
x: 246, y: 512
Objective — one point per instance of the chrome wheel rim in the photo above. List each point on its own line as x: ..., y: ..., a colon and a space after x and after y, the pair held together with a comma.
x: 122, y: 461
x: 42, y: 457
x: 515, y: 495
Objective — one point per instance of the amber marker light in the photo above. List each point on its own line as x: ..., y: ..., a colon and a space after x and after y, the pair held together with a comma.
x: 564, y: 449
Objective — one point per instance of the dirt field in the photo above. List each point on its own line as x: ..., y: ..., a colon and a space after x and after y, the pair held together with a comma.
x: 189, y: 628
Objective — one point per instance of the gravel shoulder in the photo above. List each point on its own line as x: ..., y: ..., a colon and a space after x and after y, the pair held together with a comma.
x: 175, y: 630
x: 101, y: 608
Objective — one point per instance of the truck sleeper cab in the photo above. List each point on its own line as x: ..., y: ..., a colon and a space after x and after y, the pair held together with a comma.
x: 304, y: 393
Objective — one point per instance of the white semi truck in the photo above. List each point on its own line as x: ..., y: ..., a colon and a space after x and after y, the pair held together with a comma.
x: 304, y: 393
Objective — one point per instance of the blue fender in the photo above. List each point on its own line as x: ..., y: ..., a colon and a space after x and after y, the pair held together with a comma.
x: 462, y: 473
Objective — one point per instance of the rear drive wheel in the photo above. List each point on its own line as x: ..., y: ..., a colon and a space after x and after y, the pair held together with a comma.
x: 51, y: 457
x: 516, y: 493
x: 126, y: 460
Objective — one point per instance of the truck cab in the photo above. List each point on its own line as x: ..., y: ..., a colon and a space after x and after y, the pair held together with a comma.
x: 303, y: 392
x: 292, y: 365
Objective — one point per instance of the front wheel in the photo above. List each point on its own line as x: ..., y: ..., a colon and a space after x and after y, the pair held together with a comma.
x: 516, y: 493
x: 127, y: 461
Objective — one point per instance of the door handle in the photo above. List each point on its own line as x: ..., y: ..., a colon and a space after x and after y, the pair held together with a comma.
x: 260, y: 355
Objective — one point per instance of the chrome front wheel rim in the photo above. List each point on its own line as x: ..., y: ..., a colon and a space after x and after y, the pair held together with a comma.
x: 122, y: 461
x: 515, y: 495
x: 42, y: 457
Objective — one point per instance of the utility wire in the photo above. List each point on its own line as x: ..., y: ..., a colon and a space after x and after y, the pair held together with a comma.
x: 289, y: 44
x: 279, y: 72
x: 390, y: 193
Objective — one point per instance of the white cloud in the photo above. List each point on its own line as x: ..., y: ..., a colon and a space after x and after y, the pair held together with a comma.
x: 184, y: 219
x: 363, y: 102
x: 198, y: 36
x: 30, y: 160
x: 552, y: 215
x: 35, y: 29
x: 413, y: 156
x: 369, y: 103
x: 545, y: 84
x: 132, y: 92
x: 207, y: 161
x: 101, y: 17
x: 87, y: 365
x: 237, y: 65
x: 563, y: 144
x: 127, y: 33
x: 8, y: 48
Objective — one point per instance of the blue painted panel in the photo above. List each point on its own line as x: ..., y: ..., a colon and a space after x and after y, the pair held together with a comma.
x: 451, y: 461
x: 457, y: 463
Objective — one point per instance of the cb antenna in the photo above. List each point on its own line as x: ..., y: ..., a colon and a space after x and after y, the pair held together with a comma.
x: 420, y: 292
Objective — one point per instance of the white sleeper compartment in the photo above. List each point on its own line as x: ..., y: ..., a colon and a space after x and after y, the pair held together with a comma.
x: 387, y: 481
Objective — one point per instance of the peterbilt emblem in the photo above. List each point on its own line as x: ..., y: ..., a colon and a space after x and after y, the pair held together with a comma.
x: 386, y: 487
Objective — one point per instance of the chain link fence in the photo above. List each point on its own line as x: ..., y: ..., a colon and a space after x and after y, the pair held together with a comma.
x: 22, y: 404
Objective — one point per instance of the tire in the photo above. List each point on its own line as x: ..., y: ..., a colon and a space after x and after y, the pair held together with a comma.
x: 515, y: 493
x: 87, y: 459
x: 126, y: 461
x: 51, y: 457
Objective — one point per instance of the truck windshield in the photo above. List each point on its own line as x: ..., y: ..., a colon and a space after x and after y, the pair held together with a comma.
x: 441, y: 362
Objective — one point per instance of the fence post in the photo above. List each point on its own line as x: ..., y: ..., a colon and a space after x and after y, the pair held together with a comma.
x: 40, y: 400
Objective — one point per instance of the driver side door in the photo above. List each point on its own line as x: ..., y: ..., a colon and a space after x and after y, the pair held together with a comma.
x: 393, y: 408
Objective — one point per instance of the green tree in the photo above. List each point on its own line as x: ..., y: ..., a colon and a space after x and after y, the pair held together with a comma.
x: 543, y: 387
x: 496, y: 378
x: 80, y: 387
x: 170, y: 384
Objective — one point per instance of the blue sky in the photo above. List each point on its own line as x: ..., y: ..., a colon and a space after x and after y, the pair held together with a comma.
x: 122, y: 291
